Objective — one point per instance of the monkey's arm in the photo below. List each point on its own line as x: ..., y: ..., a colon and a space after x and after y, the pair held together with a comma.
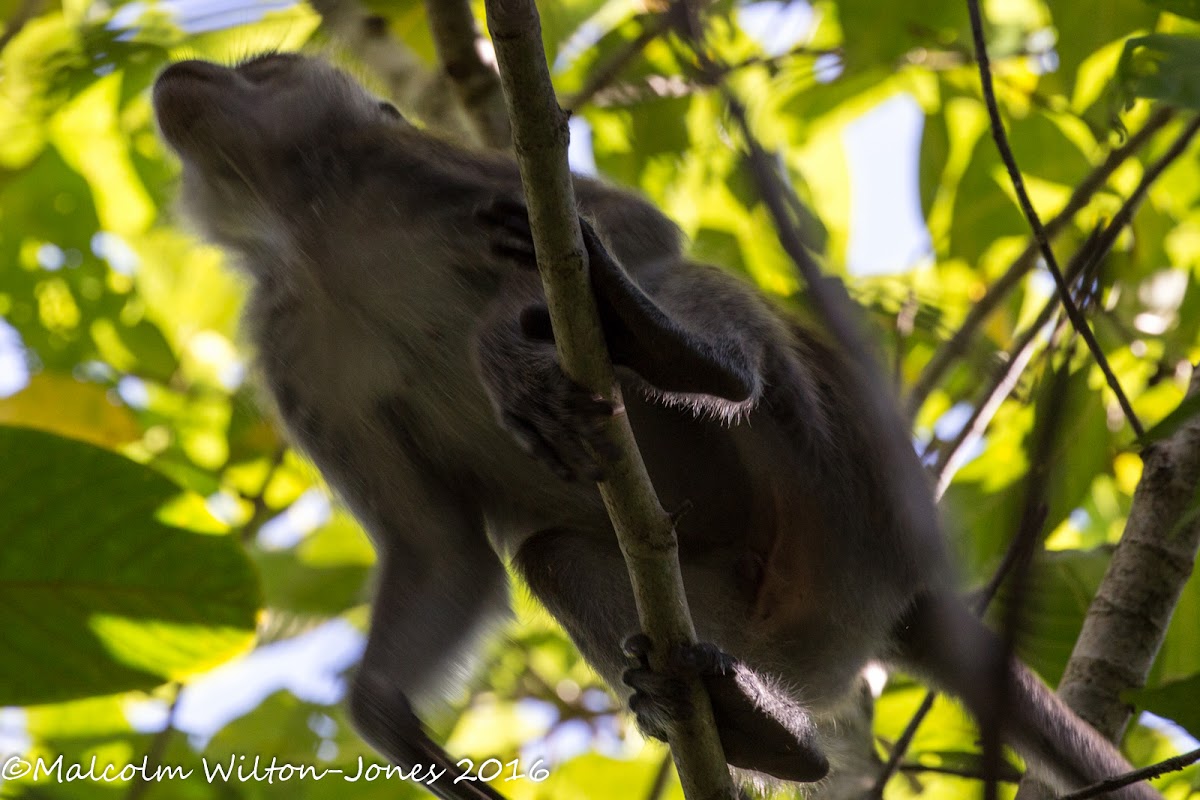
x: 439, y: 583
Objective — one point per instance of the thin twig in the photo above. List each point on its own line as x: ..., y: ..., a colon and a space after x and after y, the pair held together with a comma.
x: 901, y: 745
x: 655, y: 86
x: 1173, y: 764
x: 1085, y: 261
x: 982, y: 599
x: 604, y: 74
x: 662, y: 775
x: 1023, y: 548
x: 158, y: 746
x: 954, y: 347
x: 1008, y: 776
x: 1124, y: 215
x: 1014, y: 173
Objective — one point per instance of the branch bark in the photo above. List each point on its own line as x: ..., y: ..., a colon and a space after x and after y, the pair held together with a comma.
x: 1151, y: 564
x: 645, y: 532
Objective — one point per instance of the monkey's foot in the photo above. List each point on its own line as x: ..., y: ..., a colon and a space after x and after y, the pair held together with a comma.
x: 759, y: 729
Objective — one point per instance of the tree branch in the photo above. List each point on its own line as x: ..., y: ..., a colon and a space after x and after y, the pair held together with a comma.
x: 476, y: 84
x: 1084, y: 262
x: 1144, y: 580
x: 644, y: 530
x: 1173, y: 764
x: 607, y: 72
x: 1039, y: 232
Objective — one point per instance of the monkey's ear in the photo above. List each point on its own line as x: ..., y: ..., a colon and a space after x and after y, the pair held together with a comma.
x: 643, y: 337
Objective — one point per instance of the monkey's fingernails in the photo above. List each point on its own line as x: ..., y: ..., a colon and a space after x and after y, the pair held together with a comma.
x: 592, y: 405
x: 703, y: 658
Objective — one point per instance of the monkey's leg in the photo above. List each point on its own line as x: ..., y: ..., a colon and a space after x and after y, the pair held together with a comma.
x: 640, y: 334
x: 439, y: 584
x: 760, y: 729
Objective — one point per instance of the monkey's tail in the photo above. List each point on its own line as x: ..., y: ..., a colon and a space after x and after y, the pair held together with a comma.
x: 942, y: 640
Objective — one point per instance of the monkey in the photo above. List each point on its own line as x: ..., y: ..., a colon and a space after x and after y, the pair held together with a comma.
x: 401, y: 330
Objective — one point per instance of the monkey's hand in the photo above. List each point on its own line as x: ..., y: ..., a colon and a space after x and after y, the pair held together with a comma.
x: 552, y: 417
x: 760, y: 730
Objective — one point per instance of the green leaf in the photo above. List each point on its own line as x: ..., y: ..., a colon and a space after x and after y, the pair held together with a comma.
x: 1176, y: 701
x: 1162, y: 67
x: 1184, y: 8
x: 98, y: 594
x: 1172, y: 422
x: 324, y: 575
x: 1061, y: 586
x: 1085, y: 27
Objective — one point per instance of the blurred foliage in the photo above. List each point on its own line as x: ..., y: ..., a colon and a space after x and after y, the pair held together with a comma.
x: 153, y: 520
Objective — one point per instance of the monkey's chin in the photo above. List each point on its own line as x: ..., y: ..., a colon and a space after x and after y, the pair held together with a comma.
x: 185, y: 95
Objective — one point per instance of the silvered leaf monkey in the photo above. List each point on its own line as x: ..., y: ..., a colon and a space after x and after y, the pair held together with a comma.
x: 401, y: 329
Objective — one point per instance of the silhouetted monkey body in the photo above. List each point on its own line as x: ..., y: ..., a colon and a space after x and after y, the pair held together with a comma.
x: 401, y: 330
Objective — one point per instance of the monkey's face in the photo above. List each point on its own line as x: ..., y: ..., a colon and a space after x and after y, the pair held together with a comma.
x: 247, y: 134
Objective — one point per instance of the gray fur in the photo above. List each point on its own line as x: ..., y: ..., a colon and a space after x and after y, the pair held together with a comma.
x: 388, y: 332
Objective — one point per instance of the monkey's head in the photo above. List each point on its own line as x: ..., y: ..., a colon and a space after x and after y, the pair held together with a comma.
x: 251, y: 135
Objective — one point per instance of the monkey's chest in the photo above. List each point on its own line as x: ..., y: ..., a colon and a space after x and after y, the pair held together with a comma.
x: 351, y: 388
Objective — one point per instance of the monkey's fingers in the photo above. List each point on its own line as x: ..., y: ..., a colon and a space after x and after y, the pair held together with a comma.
x: 637, y: 646
x: 535, y: 324
x: 566, y: 446
x: 532, y: 442
x: 657, y: 701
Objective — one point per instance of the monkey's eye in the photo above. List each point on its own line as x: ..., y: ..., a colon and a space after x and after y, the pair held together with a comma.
x: 390, y: 110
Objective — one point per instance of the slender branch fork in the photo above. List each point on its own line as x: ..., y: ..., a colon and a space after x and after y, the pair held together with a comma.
x: 957, y: 344
x: 1084, y: 263
x: 1014, y: 173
